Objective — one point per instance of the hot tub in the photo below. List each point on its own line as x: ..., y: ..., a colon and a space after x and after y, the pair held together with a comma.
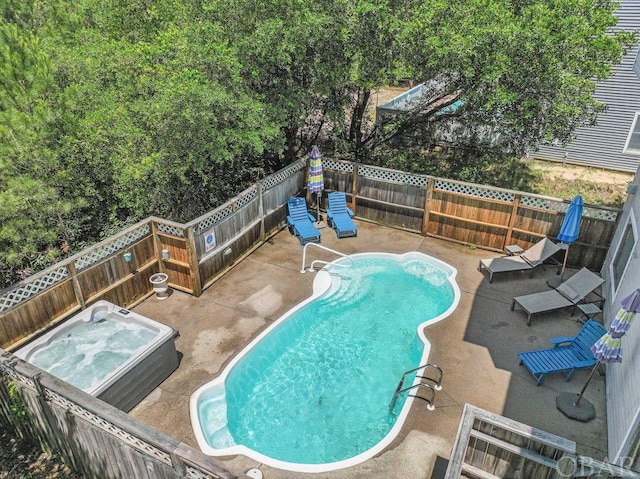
x: 107, y: 351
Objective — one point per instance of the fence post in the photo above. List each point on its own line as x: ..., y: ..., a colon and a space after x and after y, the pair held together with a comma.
x: 431, y: 183
x: 157, y: 247
x: 178, y: 464
x: 512, y: 220
x: 196, y: 282
x: 77, y: 289
x: 354, y: 188
x: 261, y: 211
x: 53, y: 433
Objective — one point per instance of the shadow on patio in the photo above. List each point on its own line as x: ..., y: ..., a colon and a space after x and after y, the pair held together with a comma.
x: 476, y: 347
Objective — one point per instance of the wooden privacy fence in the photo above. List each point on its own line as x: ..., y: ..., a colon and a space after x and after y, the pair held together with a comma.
x: 490, y: 446
x: 195, y: 254
x: 96, y: 439
x: 192, y: 255
x: 483, y: 216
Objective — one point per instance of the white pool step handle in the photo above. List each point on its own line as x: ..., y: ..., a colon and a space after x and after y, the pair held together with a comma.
x: 312, y: 266
x: 435, y: 386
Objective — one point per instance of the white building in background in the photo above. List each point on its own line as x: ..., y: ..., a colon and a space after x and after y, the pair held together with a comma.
x: 614, y: 142
x: 621, y: 271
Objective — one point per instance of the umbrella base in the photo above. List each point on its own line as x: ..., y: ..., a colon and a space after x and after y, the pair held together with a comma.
x: 320, y: 224
x: 584, y: 411
x: 554, y: 282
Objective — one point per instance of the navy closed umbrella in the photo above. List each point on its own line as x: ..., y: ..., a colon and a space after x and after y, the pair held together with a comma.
x: 570, y: 228
x: 569, y: 231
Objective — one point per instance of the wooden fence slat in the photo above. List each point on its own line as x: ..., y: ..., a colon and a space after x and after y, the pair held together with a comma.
x: 484, y: 216
x: 103, y: 441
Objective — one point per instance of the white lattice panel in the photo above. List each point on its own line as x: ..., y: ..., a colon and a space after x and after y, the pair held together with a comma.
x: 224, y: 212
x: 108, y: 249
x: 543, y: 203
x: 101, y: 423
x: 216, y: 217
x: 15, y: 376
x: 247, y: 197
x: 18, y: 295
x: 600, y: 214
x: 475, y: 191
x: 335, y: 165
x: 194, y: 473
x: 561, y: 207
x: 392, y: 176
x: 280, y: 176
x: 170, y: 230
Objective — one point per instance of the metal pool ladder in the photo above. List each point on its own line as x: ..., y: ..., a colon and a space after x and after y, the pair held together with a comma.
x: 312, y: 266
x: 436, y: 386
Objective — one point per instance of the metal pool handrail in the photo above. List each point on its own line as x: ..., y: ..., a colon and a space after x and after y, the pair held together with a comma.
x: 311, y: 267
x: 437, y: 385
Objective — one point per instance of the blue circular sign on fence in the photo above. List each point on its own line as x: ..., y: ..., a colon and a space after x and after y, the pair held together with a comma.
x: 209, y: 240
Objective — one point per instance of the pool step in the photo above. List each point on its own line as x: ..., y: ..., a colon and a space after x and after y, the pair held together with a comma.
x: 218, y: 435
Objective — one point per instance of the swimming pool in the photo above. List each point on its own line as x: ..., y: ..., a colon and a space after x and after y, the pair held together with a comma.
x: 312, y: 392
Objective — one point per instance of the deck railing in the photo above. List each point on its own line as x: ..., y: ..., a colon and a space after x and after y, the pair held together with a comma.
x: 490, y: 446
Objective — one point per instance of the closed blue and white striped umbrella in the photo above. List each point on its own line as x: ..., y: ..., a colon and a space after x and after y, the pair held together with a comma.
x: 315, y: 184
x: 608, y: 349
x: 316, y: 180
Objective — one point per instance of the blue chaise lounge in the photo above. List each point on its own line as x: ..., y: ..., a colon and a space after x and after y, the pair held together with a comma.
x: 568, y: 354
x: 300, y: 222
x: 339, y: 215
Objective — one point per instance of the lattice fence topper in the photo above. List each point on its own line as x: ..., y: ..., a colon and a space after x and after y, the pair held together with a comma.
x: 16, y: 296
x: 124, y: 436
x: 475, y: 191
x: 225, y: 211
x: 600, y: 214
x: 107, y: 426
x: 392, y: 176
x: 194, y: 473
x: 216, y: 217
x: 561, y: 207
x: 116, y: 245
x: 246, y: 197
x: 277, y: 178
x: 335, y: 165
x: 170, y: 229
x: 14, y: 375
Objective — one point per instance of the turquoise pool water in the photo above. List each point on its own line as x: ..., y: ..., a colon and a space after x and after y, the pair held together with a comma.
x: 317, y: 388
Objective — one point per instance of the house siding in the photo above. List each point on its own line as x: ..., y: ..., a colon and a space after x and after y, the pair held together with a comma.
x: 623, y: 379
x: 602, y: 145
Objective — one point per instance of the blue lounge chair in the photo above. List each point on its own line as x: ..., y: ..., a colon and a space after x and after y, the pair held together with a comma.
x: 300, y: 222
x: 568, y: 354
x: 339, y: 215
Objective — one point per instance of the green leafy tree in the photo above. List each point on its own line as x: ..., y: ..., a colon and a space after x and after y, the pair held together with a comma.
x: 34, y: 217
x: 292, y: 54
x: 154, y: 103
x: 523, y: 71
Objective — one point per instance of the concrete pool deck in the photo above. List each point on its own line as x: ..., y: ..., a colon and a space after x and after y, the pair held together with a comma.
x: 476, y: 347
